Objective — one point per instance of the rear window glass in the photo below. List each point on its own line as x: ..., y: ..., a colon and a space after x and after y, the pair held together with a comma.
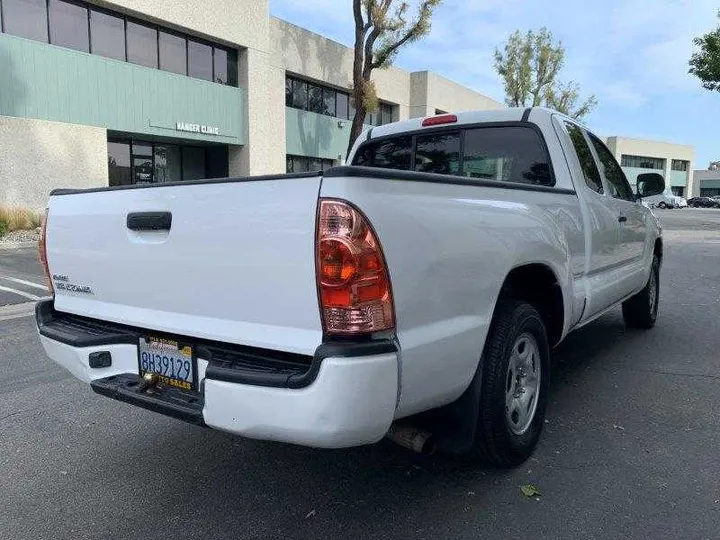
x: 392, y: 153
x: 438, y: 153
x: 507, y: 154
x: 503, y: 153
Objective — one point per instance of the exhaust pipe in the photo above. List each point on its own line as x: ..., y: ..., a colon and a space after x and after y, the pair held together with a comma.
x: 411, y: 438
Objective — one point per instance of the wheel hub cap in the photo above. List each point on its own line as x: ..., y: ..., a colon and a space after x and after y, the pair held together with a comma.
x: 522, y: 386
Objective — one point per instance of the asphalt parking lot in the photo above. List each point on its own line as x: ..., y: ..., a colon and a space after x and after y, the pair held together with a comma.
x: 631, y: 447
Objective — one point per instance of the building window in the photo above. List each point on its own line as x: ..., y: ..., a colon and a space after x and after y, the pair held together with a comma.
x: 642, y: 162
x: 193, y: 163
x: 173, y: 53
x: 143, y: 162
x: 107, y: 35
x: 440, y: 111
x: 226, y: 66
x: 680, y: 165
x: 167, y: 163
x: 307, y: 164
x: 316, y: 103
x: 69, y: 25
x: 113, y: 35
x: 119, y: 163
x: 26, y: 18
x: 342, y: 105
x: 308, y: 96
x: 200, y: 60
x: 142, y: 45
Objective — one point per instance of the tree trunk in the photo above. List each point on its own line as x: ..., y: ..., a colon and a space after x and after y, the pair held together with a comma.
x: 357, y: 125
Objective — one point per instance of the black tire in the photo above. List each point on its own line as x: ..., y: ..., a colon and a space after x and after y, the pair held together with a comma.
x: 495, y: 441
x: 641, y: 310
x: 662, y: 205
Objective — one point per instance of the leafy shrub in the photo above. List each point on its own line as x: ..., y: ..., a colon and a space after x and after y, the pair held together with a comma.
x: 3, y: 227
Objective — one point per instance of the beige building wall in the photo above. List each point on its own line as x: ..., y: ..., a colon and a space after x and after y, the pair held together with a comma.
x: 313, y: 56
x: 46, y: 156
x: 657, y: 149
x: 237, y: 22
x: 430, y: 92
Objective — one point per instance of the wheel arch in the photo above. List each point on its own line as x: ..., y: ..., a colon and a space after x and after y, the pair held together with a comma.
x: 538, y: 285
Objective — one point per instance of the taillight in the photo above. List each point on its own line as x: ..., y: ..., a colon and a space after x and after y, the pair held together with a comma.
x: 353, y: 282
x: 42, y: 252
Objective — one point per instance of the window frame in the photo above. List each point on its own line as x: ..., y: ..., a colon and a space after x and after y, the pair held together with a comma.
x: 476, y: 181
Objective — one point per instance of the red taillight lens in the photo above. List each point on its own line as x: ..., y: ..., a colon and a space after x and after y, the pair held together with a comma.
x: 42, y: 252
x: 439, y: 120
x: 353, y: 282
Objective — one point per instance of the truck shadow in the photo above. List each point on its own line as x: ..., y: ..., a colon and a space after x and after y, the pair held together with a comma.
x: 262, y: 488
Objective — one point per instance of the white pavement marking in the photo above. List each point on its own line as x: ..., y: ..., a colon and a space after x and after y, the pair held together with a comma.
x: 23, y: 282
x: 19, y: 293
x: 17, y: 311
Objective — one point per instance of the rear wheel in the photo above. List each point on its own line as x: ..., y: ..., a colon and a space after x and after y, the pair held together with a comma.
x: 662, y: 205
x: 641, y: 310
x: 515, y: 381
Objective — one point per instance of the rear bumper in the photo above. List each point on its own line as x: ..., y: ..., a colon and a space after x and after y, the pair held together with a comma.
x: 343, y: 398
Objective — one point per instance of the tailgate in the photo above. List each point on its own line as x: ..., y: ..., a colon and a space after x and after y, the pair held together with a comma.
x: 236, y: 264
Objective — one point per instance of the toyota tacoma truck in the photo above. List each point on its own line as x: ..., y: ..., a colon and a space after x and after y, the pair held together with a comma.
x: 416, y: 292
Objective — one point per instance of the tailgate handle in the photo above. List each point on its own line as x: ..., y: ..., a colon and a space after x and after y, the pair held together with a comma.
x: 149, y: 221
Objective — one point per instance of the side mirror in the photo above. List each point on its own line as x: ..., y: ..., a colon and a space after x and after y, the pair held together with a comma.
x: 649, y: 184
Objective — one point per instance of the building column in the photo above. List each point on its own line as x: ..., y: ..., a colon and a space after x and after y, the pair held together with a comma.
x: 264, y: 148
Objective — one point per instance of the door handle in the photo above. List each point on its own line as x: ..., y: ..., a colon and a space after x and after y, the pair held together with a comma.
x: 149, y: 221
x: 622, y: 219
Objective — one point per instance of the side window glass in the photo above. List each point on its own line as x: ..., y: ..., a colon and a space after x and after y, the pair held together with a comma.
x: 438, y: 153
x: 587, y: 162
x: 618, y: 184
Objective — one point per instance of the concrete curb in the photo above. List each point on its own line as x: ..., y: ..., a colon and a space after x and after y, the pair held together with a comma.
x: 16, y: 245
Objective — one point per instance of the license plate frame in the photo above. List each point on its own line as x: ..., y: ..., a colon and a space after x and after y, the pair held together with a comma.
x: 173, y: 347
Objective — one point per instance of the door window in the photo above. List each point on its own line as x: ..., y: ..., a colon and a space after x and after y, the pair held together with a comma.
x: 617, y: 183
x: 587, y: 162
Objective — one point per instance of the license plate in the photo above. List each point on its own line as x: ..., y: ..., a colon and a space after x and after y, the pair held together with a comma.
x: 173, y: 363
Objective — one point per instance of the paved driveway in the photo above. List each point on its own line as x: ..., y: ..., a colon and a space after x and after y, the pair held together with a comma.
x: 631, y: 447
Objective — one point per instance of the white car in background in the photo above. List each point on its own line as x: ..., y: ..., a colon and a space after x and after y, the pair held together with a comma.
x: 664, y: 200
x: 680, y: 202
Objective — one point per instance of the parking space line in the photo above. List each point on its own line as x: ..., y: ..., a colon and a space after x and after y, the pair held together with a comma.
x: 24, y: 282
x: 17, y: 311
x: 19, y: 293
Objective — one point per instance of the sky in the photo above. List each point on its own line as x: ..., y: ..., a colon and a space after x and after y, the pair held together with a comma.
x: 631, y: 54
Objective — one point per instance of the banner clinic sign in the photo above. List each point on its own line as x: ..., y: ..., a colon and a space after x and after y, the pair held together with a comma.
x: 197, y: 128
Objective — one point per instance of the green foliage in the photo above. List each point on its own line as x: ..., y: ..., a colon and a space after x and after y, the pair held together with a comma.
x: 705, y: 62
x: 4, y: 228
x: 529, y: 65
x: 530, y: 490
x: 382, y: 28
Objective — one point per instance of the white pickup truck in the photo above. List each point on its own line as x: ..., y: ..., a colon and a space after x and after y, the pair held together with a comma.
x: 415, y: 293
